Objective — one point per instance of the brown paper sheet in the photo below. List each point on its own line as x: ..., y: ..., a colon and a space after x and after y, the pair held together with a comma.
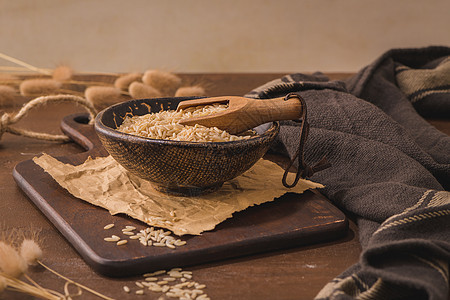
x: 105, y: 183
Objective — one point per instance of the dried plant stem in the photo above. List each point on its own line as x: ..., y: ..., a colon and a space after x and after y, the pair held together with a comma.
x: 75, y: 283
x: 24, y: 64
x: 17, y: 285
x: 37, y: 285
x: 19, y: 69
x: 68, y: 294
x: 13, y: 69
x: 33, y: 282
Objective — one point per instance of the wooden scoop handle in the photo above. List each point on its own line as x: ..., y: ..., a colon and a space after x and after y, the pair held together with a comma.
x: 245, y: 113
x: 258, y: 112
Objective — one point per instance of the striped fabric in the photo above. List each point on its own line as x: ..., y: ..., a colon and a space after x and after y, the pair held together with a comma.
x: 419, y: 84
x: 390, y: 168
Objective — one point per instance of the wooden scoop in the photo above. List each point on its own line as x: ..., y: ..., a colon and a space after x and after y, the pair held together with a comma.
x: 244, y: 113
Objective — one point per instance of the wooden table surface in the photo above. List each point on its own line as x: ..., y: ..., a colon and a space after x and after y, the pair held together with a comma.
x: 297, y: 273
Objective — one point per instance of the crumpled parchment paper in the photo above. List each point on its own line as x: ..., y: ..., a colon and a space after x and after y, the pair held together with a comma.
x: 105, y: 183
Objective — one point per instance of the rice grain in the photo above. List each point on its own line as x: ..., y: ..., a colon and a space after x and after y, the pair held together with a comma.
x: 156, y: 273
x: 122, y: 242
x: 165, y: 125
x: 111, y: 239
x: 109, y: 226
x: 151, y: 279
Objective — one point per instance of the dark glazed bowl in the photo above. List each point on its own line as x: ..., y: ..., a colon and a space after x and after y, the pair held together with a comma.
x: 177, y: 167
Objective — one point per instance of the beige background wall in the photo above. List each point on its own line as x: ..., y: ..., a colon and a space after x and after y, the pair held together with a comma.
x: 217, y: 35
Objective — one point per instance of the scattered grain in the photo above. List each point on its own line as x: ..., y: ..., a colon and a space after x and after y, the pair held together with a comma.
x: 179, y: 243
x: 139, y: 284
x: 182, y: 285
x: 122, y: 242
x: 171, y: 295
x: 175, y: 274
x: 155, y: 288
x: 156, y: 273
x: 151, y: 279
x: 165, y: 288
x: 126, y: 289
x: 112, y: 239
x: 140, y: 292
x: 184, y: 289
x: 169, y: 279
x: 109, y: 226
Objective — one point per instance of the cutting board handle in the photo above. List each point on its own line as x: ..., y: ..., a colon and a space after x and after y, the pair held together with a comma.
x: 77, y: 127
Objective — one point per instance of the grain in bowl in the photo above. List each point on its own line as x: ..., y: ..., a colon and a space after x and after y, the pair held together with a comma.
x: 173, y: 166
x: 164, y: 125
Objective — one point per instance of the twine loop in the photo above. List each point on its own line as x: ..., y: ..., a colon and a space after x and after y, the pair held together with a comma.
x: 4, y: 122
x: 6, y: 119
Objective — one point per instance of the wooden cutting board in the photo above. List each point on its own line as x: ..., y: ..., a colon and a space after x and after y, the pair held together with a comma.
x: 292, y: 220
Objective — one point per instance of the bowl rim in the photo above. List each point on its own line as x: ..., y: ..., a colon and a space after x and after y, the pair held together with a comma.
x: 108, y: 131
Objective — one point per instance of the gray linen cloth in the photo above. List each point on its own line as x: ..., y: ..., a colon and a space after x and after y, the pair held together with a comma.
x: 390, y: 169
